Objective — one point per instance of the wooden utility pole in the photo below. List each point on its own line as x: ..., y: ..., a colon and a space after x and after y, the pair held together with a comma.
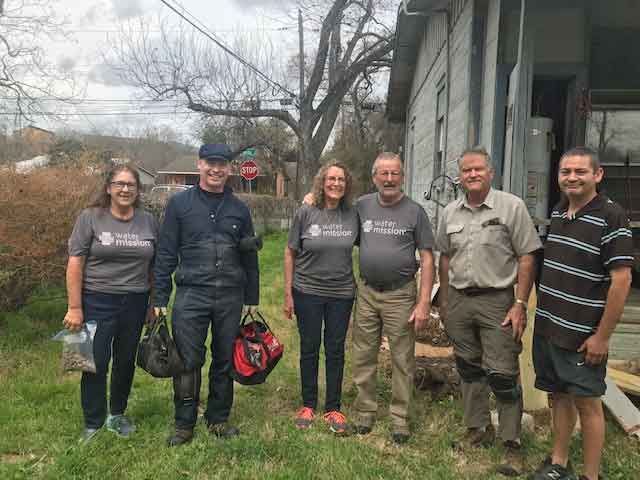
x: 300, y: 98
x: 533, y: 398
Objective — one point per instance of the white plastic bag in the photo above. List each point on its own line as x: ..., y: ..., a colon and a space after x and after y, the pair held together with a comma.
x: 77, y: 348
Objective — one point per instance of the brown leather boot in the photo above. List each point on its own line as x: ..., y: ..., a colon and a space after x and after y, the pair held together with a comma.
x: 512, y: 464
x: 180, y: 437
x: 223, y: 430
x: 476, y: 437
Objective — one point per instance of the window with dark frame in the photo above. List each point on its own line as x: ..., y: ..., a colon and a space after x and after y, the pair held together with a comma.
x: 440, y: 129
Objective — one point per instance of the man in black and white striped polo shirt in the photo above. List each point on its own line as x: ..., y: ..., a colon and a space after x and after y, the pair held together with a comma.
x: 585, y: 281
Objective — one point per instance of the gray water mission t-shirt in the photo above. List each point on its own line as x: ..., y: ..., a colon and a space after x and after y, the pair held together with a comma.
x: 323, y: 240
x: 118, y: 252
x: 389, y: 238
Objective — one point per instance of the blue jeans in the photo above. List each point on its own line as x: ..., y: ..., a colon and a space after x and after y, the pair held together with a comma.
x: 119, y: 319
x: 311, y: 311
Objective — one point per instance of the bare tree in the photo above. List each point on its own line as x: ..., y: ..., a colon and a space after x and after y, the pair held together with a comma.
x: 605, y: 134
x: 362, y: 135
x: 274, y: 138
x: 351, y: 42
x: 602, y: 124
x: 26, y: 74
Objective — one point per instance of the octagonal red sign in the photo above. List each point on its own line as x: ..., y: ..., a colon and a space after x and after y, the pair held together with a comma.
x: 249, y: 170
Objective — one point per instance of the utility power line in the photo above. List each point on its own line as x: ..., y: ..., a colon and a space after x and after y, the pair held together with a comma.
x: 97, y: 114
x: 257, y: 29
x: 107, y: 112
x: 204, y: 30
x: 148, y: 100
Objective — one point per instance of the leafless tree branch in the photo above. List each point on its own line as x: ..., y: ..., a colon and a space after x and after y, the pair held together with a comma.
x: 350, y: 42
x: 26, y: 73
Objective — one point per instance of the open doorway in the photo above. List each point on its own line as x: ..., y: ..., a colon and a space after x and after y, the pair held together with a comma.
x: 549, y: 99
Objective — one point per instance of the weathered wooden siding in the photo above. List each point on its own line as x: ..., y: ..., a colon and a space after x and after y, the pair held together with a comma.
x: 624, y: 342
x: 488, y: 111
x: 430, y: 72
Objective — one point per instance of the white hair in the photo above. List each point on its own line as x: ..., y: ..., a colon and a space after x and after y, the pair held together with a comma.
x: 386, y: 156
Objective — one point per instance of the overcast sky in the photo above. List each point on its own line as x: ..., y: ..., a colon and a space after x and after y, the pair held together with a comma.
x: 91, y: 24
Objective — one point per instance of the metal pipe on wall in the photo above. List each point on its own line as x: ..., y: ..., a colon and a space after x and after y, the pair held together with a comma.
x: 448, y: 102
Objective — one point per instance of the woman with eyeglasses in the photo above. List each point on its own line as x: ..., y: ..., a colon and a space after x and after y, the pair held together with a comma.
x: 111, y: 250
x: 320, y: 288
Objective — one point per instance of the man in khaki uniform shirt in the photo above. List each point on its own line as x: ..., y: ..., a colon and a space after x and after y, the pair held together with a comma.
x: 486, y: 240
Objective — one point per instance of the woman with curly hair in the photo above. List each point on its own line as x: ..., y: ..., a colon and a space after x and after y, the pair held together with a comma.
x: 111, y: 250
x: 320, y: 288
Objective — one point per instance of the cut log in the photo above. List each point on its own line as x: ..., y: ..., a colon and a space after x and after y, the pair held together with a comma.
x: 629, y: 366
x: 627, y: 382
x: 625, y: 412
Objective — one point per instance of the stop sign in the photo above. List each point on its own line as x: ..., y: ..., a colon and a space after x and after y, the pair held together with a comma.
x: 249, y: 170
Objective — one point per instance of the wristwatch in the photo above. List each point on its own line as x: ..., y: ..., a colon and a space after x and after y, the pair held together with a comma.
x: 521, y: 302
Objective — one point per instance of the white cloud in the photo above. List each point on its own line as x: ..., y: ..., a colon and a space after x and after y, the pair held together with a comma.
x: 105, y: 75
x: 266, y: 4
x: 66, y: 64
x: 124, y: 9
x: 94, y: 14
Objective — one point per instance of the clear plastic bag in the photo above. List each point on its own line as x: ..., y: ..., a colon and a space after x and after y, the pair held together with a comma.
x: 77, y: 348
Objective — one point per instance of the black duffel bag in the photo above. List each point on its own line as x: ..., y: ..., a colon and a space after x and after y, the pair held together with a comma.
x: 157, y: 352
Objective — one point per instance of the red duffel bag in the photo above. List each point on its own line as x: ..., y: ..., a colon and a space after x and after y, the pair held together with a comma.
x: 256, y: 351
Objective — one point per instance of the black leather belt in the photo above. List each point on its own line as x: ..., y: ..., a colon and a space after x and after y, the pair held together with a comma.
x: 387, y: 286
x: 475, y: 291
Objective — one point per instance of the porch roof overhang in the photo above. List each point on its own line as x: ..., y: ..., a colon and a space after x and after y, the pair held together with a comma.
x: 411, y: 19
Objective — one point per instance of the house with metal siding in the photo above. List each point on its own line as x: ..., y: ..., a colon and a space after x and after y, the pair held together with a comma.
x: 527, y: 80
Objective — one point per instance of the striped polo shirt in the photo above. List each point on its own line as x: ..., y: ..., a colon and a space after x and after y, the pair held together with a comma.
x: 578, y: 255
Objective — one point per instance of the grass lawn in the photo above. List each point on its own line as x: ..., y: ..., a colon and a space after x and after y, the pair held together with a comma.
x: 41, y: 419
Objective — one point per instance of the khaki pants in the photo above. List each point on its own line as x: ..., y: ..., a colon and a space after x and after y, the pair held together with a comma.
x: 474, y: 325
x: 387, y: 313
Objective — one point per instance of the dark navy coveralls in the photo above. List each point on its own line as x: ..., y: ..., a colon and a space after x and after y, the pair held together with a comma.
x: 214, y: 279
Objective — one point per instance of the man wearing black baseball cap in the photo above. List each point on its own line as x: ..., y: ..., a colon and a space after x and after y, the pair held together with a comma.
x: 204, y: 241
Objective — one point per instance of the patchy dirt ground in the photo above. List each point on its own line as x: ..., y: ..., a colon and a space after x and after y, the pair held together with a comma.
x: 438, y: 375
x: 435, y: 364
x: 15, y: 458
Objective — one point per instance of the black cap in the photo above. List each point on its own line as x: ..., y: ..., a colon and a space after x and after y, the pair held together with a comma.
x: 215, y: 151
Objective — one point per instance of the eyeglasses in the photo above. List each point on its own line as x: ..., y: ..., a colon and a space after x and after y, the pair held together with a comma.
x: 336, y: 180
x: 120, y: 186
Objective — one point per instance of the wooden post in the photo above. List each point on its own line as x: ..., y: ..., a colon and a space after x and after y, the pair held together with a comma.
x: 533, y: 399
